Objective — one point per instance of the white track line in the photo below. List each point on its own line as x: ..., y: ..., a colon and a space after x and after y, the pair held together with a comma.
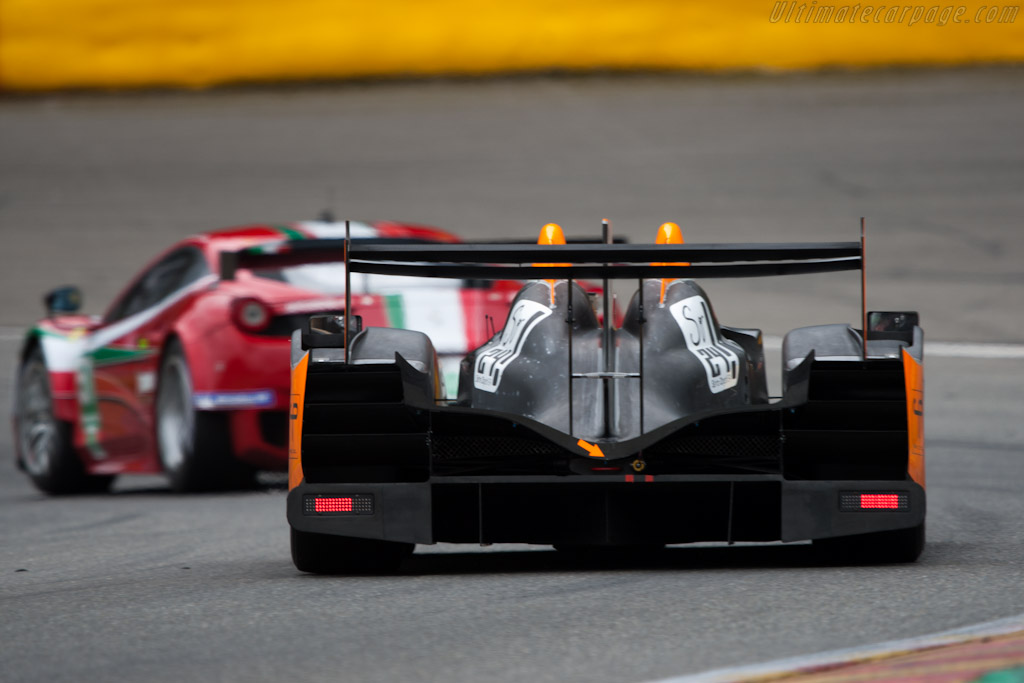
x: 782, y: 667
x: 987, y: 351
x: 933, y: 349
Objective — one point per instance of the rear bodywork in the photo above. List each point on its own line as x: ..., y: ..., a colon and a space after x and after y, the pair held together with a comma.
x: 570, y: 431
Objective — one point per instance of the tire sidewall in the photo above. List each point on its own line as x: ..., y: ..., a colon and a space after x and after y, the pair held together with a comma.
x: 42, y: 476
x: 64, y: 471
x: 174, y: 369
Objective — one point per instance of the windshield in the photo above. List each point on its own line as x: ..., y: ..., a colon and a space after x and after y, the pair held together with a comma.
x: 329, y: 278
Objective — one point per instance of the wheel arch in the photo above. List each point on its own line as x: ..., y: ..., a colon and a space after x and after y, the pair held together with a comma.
x: 200, y: 371
x: 65, y: 406
x: 28, y: 344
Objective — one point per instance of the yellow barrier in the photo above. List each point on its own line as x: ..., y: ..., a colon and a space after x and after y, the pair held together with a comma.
x: 47, y: 44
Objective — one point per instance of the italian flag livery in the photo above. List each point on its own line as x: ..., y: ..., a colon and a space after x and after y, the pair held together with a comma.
x: 186, y: 373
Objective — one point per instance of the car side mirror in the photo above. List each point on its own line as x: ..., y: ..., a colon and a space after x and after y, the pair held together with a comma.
x: 328, y: 331
x: 898, y: 325
x: 66, y: 299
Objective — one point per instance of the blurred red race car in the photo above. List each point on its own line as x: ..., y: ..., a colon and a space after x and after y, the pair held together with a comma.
x: 188, y: 373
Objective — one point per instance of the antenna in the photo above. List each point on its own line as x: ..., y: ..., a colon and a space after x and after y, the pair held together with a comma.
x: 863, y: 294
x: 327, y: 215
x: 640, y: 338
x: 568, y: 319
x: 348, y: 290
x: 607, y: 339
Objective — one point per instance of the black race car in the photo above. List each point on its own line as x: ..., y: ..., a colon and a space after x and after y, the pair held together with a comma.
x: 571, y: 431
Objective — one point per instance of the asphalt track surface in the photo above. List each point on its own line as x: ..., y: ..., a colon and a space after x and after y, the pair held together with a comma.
x: 143, y: 585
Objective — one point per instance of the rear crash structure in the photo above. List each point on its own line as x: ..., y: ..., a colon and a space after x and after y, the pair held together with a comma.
x: 572, y: 431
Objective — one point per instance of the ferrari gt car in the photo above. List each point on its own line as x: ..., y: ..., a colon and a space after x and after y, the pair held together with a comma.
x: 187, y: 373
x: 574, y: 431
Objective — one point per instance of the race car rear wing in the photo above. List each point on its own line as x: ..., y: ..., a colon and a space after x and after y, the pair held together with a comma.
x: 502, y: 261
x: 489, y: 261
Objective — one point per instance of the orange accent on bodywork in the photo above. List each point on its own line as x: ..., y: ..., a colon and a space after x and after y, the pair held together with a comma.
x: 298, y: 398
x: 551, y: 234
x: 592, y: 449
x: 668, y: 233
x: 913, y: 376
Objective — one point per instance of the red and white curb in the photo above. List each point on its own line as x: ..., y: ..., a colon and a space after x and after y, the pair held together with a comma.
x: 795, y: 665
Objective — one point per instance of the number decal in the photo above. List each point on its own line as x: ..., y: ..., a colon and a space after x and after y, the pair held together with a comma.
x: 492, y: 361
x: 721, y: 364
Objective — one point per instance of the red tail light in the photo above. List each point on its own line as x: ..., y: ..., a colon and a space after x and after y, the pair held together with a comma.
x: 354, y: 504
x: 879, y: 501
x: 332, y: 505
x: 250, y: 314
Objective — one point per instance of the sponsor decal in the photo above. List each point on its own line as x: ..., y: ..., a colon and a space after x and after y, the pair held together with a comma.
x: 228, y: 400
x: 145, y: 382
x: 492, y: 361
x: 721, y: 364
x: 88, y: 407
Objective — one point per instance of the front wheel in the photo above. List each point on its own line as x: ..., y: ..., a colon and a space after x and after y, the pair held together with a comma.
x: 328, y: 554
x: 44, y: 442
x: 194, y: 445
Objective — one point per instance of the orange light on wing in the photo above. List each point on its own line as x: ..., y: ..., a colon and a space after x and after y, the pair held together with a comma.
x: 298, y: 397
x: 669, y: 233
x: 551, y: 234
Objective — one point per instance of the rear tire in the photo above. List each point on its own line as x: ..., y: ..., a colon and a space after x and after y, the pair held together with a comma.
x: 194, y: 446
x: 44, y: 444
x: 328, y: 554
x: 884, y: 547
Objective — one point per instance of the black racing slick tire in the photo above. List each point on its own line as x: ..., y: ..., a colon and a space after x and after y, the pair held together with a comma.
x: 885, y: 547
x: 44, y: 444
x: 327, y: 554
x: 194, y: 445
